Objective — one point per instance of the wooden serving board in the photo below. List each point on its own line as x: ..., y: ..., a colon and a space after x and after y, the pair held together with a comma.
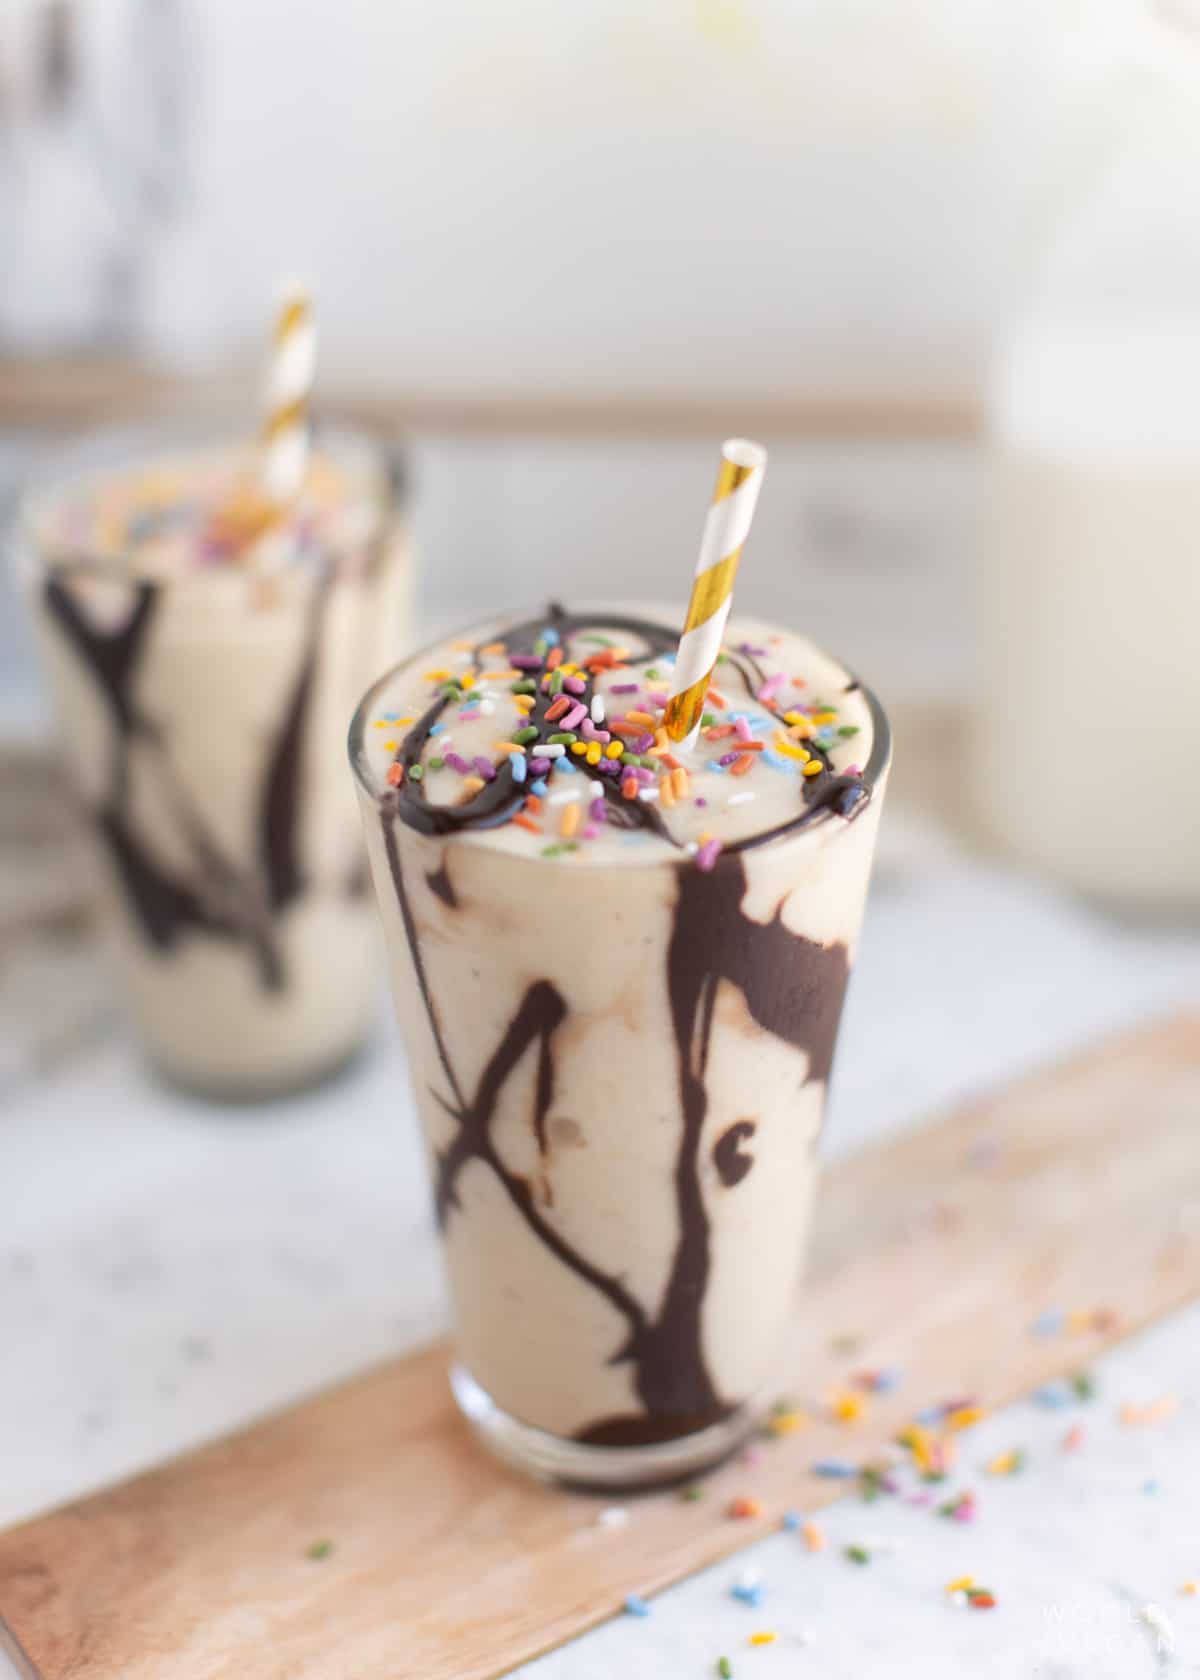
x: 1078, y: 1189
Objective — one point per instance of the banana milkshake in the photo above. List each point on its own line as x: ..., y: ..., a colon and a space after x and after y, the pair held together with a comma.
x: 619, y: 967
x: 202, y: 662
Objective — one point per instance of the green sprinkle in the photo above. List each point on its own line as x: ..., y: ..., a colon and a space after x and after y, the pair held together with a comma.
x: 541, y: 646
x: 652, y: 673
x: 630, y: 759
x: 521, y: 736
x: 415, y: 774
x: 556, y: 683
x: 525, y: 686
x: 1084, y: 1385
x: 847, y: 730
x: 707, y: 721
x: 600, y: 641
x: 691, y: 1493
x: 452, y: 691
x: 436, y: 763
x: 870, y: 1484
x: 722, y: 659
x: 320, y: 1549
x: 858, y: 1554
x: 725, y: 1668
x: 565, y: 738
x: 559, y: 848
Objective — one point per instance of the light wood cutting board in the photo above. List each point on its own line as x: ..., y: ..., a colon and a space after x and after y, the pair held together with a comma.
x: 1078, y: 1189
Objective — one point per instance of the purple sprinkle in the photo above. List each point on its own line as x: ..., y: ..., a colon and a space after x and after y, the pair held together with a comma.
x: 754, y: 652
x: 646, y: 777
x: 699, y: 801
x: 485, y: 768
x: 458, y: 763
x: 772, y: 685
x: 574, y: 716
x: 574, y: 685
x: 596, y: 810
x: 539, y: 766
x: 730, y: 758
x: 624, y: 688
x: 525, y: 662
x: 643, y: 743
x: 708, y: 854
x: 608, y: 767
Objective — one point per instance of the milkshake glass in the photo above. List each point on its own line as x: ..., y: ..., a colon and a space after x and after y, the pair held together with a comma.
x: 201, y: 670
x: 619, y: 970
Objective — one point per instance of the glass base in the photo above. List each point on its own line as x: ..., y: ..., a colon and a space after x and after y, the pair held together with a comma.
x: 574, y: 1464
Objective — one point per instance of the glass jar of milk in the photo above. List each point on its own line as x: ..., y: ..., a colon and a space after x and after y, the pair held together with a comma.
x: 1090, y: 720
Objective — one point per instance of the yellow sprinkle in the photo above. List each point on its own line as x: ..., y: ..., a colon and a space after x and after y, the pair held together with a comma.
x: 383, y: 723
x: 787, y: 1423
x: 569, y: 822
x: 1003, y: 1464
x: 472, y: 784
x: 961, y: 1583
x: 847, y: 1407
x: 503, y: 676
x: 401, y: 722
x: 802, y: 731
x: 680, y: 783
x: 462, y: 647
x: 579, y: 748
x: 789, y: 749
x: 523, y: 702
x: 824, y: 717
x: 389, y: 746
x: 507, y: 746
x: 569, y: 669
x: 813, y: 768
x: 1189, y: 1589
x: 762, y: 1638
x: 436, y: 676
x: 814, y: 1536
x: 965, y: 1417
x: 614, y: 749
x: 1078, y: 1322
x: 666, y: 791
x: 594, y: 749
x: 467, y: 679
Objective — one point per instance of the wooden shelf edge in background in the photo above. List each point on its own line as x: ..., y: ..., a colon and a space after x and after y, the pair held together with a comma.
x: 78, y: 393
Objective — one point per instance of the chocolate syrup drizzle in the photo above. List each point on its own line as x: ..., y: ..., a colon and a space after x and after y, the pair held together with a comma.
x: 219, y: 898
x: 793, y: 989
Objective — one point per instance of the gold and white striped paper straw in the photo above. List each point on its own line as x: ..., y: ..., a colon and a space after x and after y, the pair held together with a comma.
x: 725, y: 531
x: 287, y: 423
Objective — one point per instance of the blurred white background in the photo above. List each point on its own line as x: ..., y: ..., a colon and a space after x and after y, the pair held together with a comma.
x: 592, y: 197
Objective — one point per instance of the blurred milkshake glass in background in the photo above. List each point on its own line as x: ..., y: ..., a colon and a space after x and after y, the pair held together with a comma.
x: 619, y: 960
x: 203, y: 650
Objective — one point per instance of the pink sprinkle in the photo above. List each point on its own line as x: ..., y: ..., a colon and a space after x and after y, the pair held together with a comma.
x: 590, y: 831
x: 772, y: 686
x: 643, y: 743
x: 646, y: 777
x: 707, y: 856
x: 574, y: 685
x: 852, y: 770
x: 574, y: 716
x: 658, y: 695
x: 590, y: 733
x: 743, y: 729
x: 465, y: 717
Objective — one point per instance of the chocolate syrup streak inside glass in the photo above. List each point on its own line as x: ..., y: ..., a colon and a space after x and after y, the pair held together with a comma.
x: 219, y: 897
x: 793, y: 989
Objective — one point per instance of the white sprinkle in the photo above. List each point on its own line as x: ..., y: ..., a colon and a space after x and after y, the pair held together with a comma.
x: 487, y: 707
x: 739, y: 798
x: 565, y: 796
x: 463, y: 656
x: 613, y: 1516
x: 597, y: 708
x: 647, y: 795
x: 538, y: 750
x: 749, y: 1579
x: 958, y: 1598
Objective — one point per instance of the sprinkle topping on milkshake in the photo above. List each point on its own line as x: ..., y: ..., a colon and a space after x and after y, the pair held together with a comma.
x: 549, y: 737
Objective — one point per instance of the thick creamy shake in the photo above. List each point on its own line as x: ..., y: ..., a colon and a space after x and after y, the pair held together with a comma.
x: 619, y: 969
x: 202, y: 668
